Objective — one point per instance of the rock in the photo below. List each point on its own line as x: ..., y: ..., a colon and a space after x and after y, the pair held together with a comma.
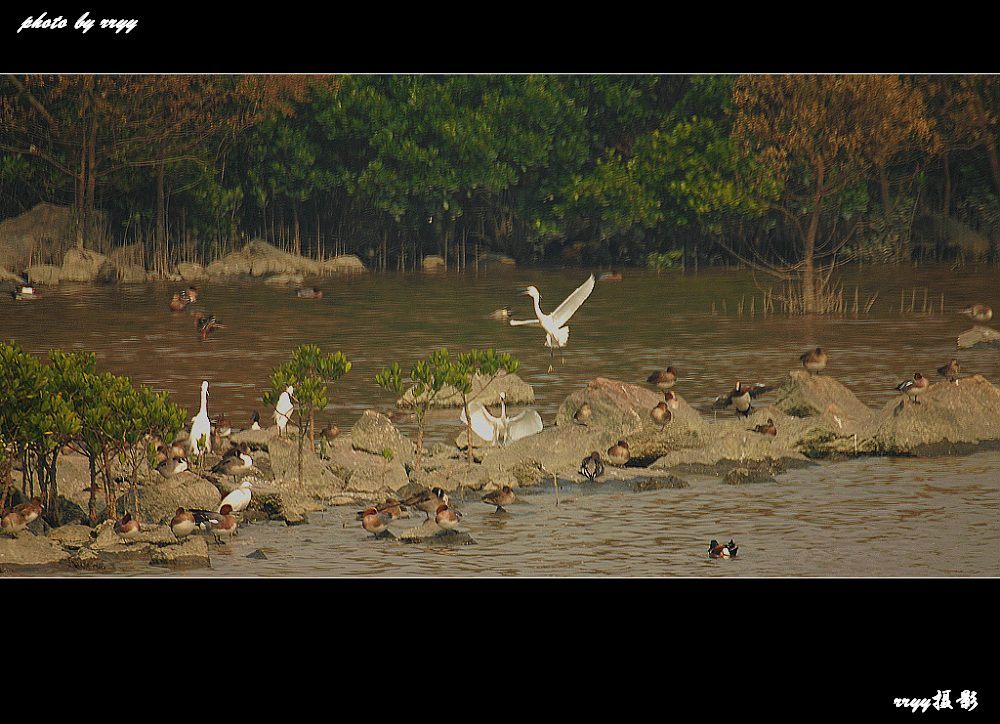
x: 267, y: 259
x: 750, y: 472
x: 83, y: 265
x: 344, y: 264
x: 44, y: 231
x: 979, y: 337
x: 429, y: 532
x: 30, y: 551
x: 685, y: 430
x: 492, y: 260
x: 234, y: 264
x: 191, y: 553
x: 432, y: 263
x: 9, y: 276
x: 160, y: 498
x: 257, y: 555
x: 44, y: 274
x: 666, y: 482
x: 950, y: 418
x: 372, y: 473
x: 131, y: 275
x: 284, y: 279
x: 72, y: 537
x: 86, y: 559
x: 374, y: 433
x: 190, y: 272
x: 806, y: 395
x: 533, y: 460
x: 484, y: 390
x: 619, y: 408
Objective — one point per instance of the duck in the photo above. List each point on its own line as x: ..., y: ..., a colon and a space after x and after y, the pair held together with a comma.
x: 172, y: 466
x: 814, y: 360
x: 375, y: 521
x: 206, y: 324
x: 224, y: 523
x: 396, y: 416
x: 428, y: 500
x: 500, y: 498
x: 236, y: 465
x: 583, y: 414
x: 283, y: 410
x: 25, y: 293
x: 661, y: 414
x: 201, y: 426
x: 239, y: 498
x: 592, y: 467
x: 183, y: 523
x: 950, y: 371
x: 223, y: 428
x: 255, y: 420
x: 501, y: 315
x: 176, y: 305
x: 30, y: 510
x: 127, y: 528
x: 13, y: 523
x: 978, y: 312
x: 717, y: 550
x: 618, y: 454
x: 446, y: 518
x: 610, y: 277
x: 309, y: 293
x: 189, y: 295
x: 671, y: 399
x: 391, y: 507
x: 329, y: 433
x: 767, y: 428
x: 664, y: 379
x: 740, y: 398
x: 914, y: 387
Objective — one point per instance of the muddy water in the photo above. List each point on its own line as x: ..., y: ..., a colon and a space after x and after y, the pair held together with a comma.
x: 868, y: 517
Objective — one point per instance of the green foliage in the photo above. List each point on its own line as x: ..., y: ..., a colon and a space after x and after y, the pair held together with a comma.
x: 664, y: 260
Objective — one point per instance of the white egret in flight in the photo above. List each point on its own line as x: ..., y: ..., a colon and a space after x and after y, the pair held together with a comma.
x: 502, y: 430
x: 556, y: 331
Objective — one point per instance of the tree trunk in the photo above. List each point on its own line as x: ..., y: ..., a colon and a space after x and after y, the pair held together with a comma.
x: 883, y: 184
x: 809, y: 249
x: 946, y: 193
x: 160, y: 240
x: 92, y: 501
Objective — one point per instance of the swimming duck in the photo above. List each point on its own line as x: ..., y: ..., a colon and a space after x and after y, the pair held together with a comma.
x: 500, y: 498
x: 913, y: 387
x: 618, y: 454
x: 189, y: 295
x: 30, y: 510
x: 446, y: 518
x: 583, y: 414
x: 664, y: 379
x: 978, y: 312
x: 427, y: 500
x: 224, y: 523
x: 176, y: 305
x: 661, y: 414
x: 255, y: 420
x: 717, y: 550
x: 239, y: 498
x: 391, y: 507
x: 814, y: 360
x: 501, y: 315
x: 740, y: 398
x: 206, y: 324
x: 591, y: 467
x: 309, y: 293
x: 13, y: 523
x: 127, y: 528
x: 767, y: 429
x: 375, y: 521
x: 610, y: 277
x: 283, y: 409
x: 183, y: 523
x: 172, y: 466
x: 25, y: 293
x: 950, y: 371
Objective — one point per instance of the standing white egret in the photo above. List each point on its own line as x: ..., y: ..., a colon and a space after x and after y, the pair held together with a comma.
x: 502, y: 430
x: 556, y: 331
x: 201, y: 426
x: 283, y: 410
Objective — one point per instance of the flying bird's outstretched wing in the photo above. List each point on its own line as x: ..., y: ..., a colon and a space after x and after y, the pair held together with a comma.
x: 519, y: 322
x: 483, y: 423
x: 573, y: 302
x: 525, y: 424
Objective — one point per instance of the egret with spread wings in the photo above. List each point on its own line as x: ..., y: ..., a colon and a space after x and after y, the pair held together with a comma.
x: 502, y: 430
x: 556, y: 331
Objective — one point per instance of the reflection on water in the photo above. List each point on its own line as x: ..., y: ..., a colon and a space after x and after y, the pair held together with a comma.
x: 866, y: 517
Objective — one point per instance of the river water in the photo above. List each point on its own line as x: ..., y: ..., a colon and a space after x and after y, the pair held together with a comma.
x: 878, y: 516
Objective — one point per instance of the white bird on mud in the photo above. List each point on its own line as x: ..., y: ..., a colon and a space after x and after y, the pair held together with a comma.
x: 283, y: 410
x: 201, y: 425
x: 502, y: 430
x: 239, y: 498
x: 556, y: 331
